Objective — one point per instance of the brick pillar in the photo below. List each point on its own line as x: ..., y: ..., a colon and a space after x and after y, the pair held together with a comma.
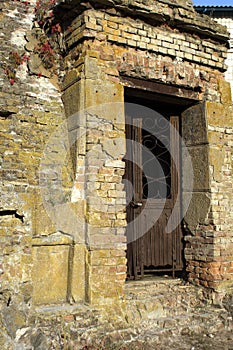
x: 98, y: 189
x: 105, y: 195
x: 208, y: 244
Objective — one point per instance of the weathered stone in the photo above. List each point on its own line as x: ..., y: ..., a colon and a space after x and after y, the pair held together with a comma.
x: 53, y: 239
x: 225, y: 91
x: 38, y: 340
x: 63, y: 233
x: 197, y: 210
x: 199, y: 171
x: 13, y: 319
x: 78, y: 276
x: 115, y: 148
x: 114, y: 163
x: 36, y: 67
x: 194, y: 125
x: 216, y: 157
x: 154, y: 310
x: 218, y: 115
x: 5, y: 341
x: 50, y: 273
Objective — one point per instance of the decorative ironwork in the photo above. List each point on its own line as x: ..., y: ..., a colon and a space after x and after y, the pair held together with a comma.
x: 156, y: 158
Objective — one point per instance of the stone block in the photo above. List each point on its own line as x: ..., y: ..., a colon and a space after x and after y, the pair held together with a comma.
x: 214, y: 137
x: 199, y: 171
x: 197, y: 210
x: 106, y: 100
x: 36, y: 67
x: 115, y: 163
x: 41, y: 220
x: 225, y: 91
x: 13, y: 319
x: 219, y: 115
x: 53, y: 239
x: 154, y: 310
x: 217, y: 161
x: 194, y: 126
x: 50, y: 273
x: 78, y: 275
x: 72, y: 87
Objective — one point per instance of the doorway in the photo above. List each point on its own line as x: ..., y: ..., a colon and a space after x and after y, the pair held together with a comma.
x: 152, y: 183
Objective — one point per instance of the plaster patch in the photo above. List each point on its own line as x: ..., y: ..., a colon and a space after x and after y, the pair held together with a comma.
x: 17, y: 38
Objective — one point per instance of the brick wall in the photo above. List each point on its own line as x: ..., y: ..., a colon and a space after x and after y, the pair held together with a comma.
x: 152, y: 52
x: 77, y: 227
x: 116, y: 47
x: 224, y: 16
x: 226, y: 19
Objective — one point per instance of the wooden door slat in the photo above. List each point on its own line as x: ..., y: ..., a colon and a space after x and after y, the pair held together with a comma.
x: 150, y: 246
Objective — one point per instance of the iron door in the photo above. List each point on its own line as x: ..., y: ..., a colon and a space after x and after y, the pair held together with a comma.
x: 152, y: 174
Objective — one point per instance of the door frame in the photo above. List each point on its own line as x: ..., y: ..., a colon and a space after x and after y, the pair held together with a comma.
x: 167, y: 99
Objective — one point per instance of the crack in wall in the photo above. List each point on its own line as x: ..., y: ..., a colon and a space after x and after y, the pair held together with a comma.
x: 6, y: 114
x: 12, y: 213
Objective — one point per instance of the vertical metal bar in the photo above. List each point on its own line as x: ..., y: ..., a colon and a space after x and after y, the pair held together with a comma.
x: 175, y: 172
x: 137, y: 185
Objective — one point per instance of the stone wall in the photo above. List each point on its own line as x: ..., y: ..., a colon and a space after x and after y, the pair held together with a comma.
x: 62, y: 209
x: 31, y: 109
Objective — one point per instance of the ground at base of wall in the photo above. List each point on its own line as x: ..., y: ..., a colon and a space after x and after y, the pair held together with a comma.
x: 155, y: 314
x: 190, y: 341
x: 186, y: 340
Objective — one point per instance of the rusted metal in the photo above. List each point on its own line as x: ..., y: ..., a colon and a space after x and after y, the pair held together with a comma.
x: 184, y: 93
